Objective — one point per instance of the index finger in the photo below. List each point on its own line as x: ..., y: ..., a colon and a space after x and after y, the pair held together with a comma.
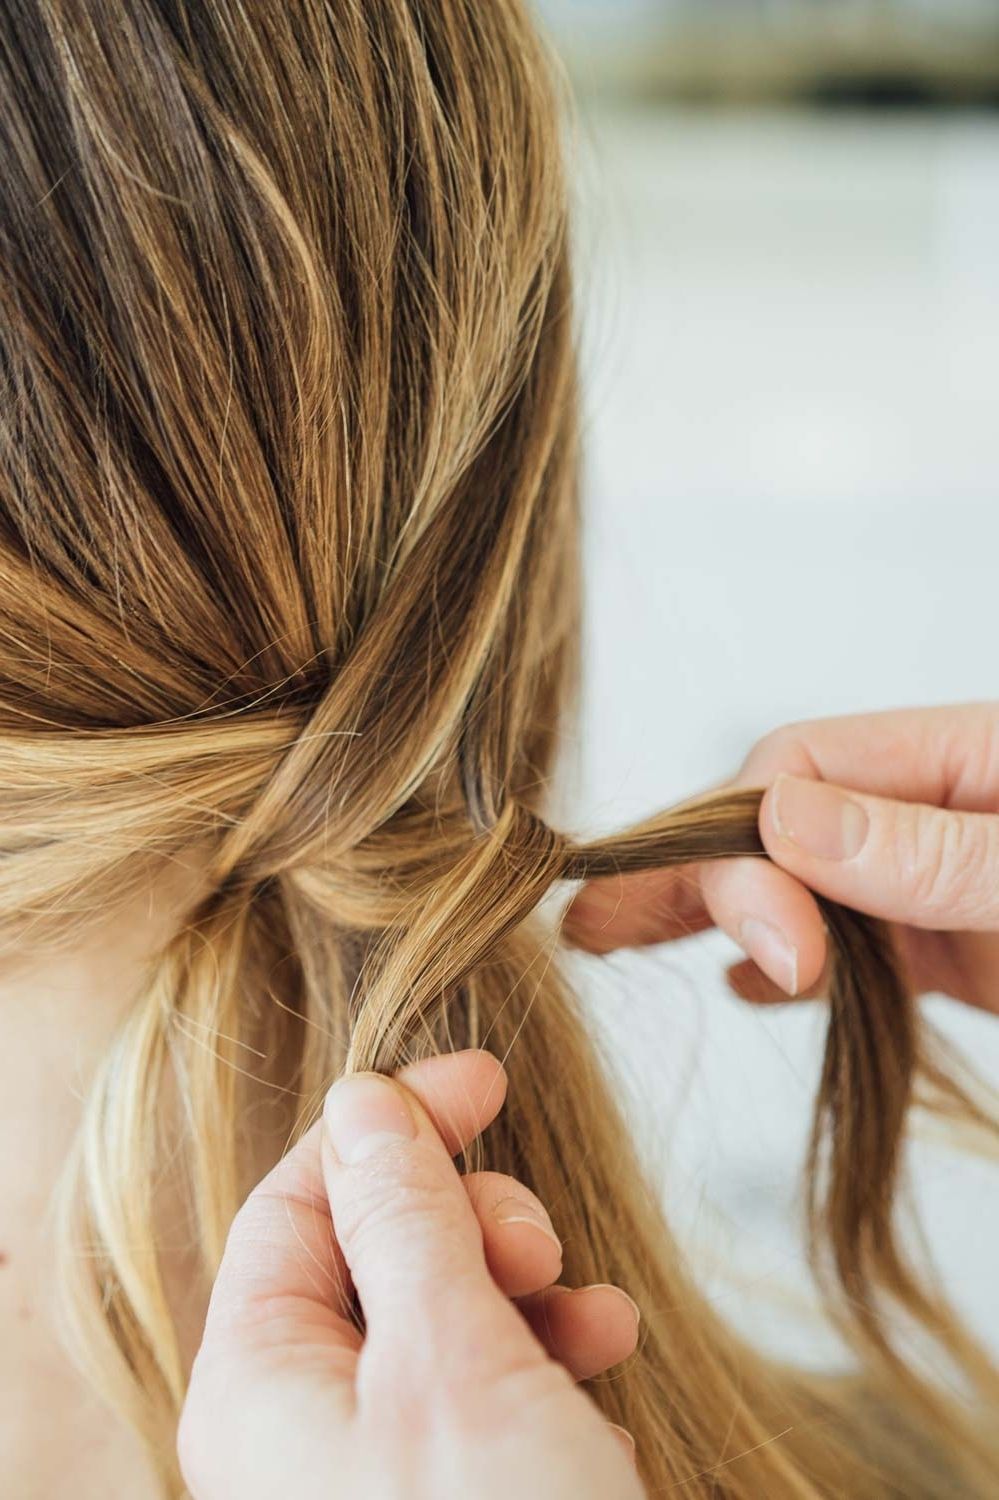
x: 282, y: 1259
x: 945, y: 755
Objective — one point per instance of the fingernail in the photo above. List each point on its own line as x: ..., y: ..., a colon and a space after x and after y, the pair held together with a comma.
x: 819, y: 818
x: 515, y: 1211
x: 607, y: 1286
x: 365, y: 1114
x: 624, y: 1437
x: 770, y: 950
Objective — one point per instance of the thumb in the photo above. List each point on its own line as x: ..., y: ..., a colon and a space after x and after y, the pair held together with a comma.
x: 903, y: 861
x: 411, y: 1239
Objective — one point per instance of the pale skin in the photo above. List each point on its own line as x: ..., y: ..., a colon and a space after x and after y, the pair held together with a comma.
x: 895, y: 814
x: 454, y: 1389
x: 477, y: 1385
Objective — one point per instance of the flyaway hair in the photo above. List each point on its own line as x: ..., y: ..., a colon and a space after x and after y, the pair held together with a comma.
x: 289, y: 581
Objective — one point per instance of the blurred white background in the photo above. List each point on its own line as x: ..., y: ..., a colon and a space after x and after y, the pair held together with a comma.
x: 790, y: 325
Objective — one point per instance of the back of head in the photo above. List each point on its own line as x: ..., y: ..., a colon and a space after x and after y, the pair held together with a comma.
x: 288, y: 417
x: 288, y: 576
x: 287, y: 512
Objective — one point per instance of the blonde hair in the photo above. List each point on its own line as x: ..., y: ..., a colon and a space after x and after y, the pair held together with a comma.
x: 288, y: 575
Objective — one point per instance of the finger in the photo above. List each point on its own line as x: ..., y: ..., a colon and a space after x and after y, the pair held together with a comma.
x: 283, y: 1296
x: 763, y: 909
x: 942, y: 755
x: 462, y: 1092
x: 747, y: 980
x: 631, y: 911
x: 626, y: 1440
x: 412, y: 1242
x: 522, y: 1250
x: 281, y: 1250
x: 768, y: 913
x: 903, y: 861
x: 587, y: 1329
x: 772, y: 917
x: 281, y: 1259
x: 278, y: 1303
x: 947, y: 756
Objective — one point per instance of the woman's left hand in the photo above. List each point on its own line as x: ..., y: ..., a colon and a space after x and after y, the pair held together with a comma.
x: 456, y: 1389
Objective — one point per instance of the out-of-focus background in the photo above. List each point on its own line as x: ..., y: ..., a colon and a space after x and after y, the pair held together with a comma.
x: 788, y: 266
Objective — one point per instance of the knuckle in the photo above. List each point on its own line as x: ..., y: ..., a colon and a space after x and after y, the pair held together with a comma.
x: 486, y: 1189
x: 771, y: 748
x: 780, y: 749
x: 949, y: 861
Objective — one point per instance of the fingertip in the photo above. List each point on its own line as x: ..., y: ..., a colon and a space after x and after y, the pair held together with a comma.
x: 364, y: 1113
x: 462, y: 1092
x: 771, y: 916
x: 522, y: 1255
x: 813, y: 949
x: 588, y: 1329
x: 522, y: 1249
x: 768, y: 820
x: 624, y: 1437
x: 747, y: 981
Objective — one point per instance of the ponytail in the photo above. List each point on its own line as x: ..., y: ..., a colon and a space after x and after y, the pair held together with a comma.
x: 454, y: 956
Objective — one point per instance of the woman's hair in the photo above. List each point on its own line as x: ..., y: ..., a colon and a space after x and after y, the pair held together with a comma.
x: 288, y: 577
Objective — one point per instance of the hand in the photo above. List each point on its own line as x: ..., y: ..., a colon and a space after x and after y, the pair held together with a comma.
x: 454, y: 1389
x: 895, y: 814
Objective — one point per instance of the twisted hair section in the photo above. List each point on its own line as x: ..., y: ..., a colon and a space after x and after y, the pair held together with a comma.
x: 289, y: 602
x: 427, y: 940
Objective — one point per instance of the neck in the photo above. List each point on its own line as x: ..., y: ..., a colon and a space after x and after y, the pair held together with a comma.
x: 59, y: 1009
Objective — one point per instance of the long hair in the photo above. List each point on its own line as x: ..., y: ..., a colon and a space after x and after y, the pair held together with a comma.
x: 288, y: 577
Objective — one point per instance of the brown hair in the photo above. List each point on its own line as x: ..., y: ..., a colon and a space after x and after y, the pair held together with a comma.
x: 288, y: 576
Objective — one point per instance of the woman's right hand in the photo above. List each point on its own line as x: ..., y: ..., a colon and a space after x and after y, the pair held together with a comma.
x: 895, y: 814
x: 463, y: 1382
